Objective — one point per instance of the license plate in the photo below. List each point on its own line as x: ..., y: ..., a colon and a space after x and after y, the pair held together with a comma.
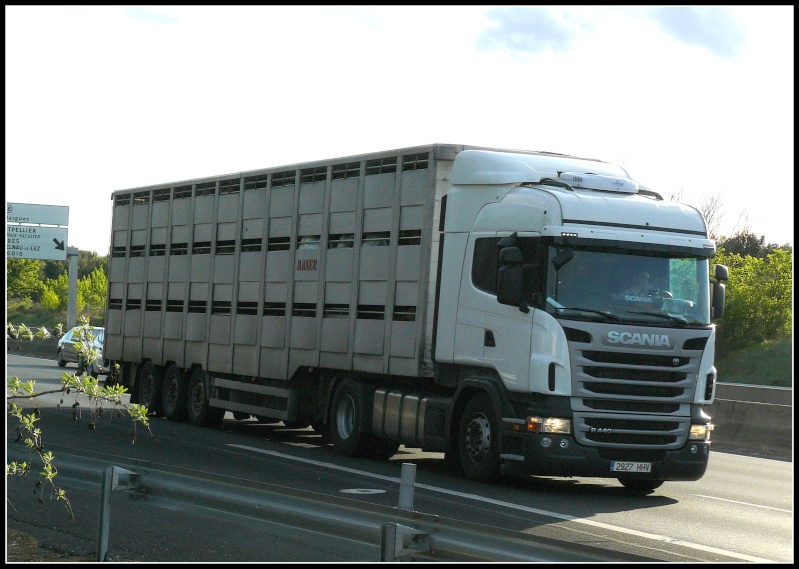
x: 617, y: 466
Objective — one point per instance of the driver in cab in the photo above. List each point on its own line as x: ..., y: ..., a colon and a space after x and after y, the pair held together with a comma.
x: 640, y: 290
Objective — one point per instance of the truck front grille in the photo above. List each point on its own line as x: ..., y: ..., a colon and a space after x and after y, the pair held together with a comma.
x: 632, y: 397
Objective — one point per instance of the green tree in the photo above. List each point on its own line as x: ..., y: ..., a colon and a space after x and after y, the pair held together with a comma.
x: 746, y: 243
x: 89, y: 261
x: 93, y: 289
x: 759, y: 299
x: 50, y: 300
x: 22, y: 278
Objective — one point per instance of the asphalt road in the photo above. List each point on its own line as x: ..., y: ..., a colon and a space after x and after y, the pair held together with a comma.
x: 741, y: 510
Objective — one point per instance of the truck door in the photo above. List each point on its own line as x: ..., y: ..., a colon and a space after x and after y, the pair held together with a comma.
x: 490, y: 334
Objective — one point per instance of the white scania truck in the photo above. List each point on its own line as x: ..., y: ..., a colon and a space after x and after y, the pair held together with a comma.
x: 464, y: 300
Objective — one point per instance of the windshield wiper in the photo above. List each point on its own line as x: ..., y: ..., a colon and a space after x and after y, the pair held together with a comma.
x: 605, y: 314
x: 679, y: 320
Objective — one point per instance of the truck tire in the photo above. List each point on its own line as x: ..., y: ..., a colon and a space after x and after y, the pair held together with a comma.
x: 199, y: 411
x: 174, y: 394
x: 348, y: 419
x: 148, y: 388
x: 640, y: 486
x: 381, y: 449
x: 478, y: 440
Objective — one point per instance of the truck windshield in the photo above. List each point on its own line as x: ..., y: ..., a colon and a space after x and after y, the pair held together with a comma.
x: 631, y: 287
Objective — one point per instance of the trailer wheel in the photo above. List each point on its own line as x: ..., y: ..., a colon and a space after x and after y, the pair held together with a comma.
x: 640, y: 486
x: 174, y: 394
x: 478, y: 440
x: 199, y: 411
x: 348, y: 417
x: 148, y: 387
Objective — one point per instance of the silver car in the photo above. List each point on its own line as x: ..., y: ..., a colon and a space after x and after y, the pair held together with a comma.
x: 67, y: 350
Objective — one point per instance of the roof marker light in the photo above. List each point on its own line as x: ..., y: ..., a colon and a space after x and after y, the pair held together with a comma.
x: 600, y: 183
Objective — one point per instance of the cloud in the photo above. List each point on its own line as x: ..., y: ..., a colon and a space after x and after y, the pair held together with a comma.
x: 143, y: 15
x: 712, y: 28
x: 522, y: 31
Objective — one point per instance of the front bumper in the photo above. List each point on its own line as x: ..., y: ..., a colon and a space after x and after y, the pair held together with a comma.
x: 559, y: 455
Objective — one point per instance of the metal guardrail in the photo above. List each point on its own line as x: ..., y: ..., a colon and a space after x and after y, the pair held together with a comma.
x: 403, y: 534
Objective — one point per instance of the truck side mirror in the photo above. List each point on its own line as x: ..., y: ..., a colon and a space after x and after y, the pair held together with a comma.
x: 721, y: 273
x: 510, y: 278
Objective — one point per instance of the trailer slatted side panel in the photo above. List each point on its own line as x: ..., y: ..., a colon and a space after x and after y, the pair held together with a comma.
x: 325, y: 264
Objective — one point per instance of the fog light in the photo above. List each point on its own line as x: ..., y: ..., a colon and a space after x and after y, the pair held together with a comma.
x: 548, y: 425
x: 700, y: 432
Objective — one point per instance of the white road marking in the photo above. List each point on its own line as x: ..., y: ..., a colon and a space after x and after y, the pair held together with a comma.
x: 510, y: 505
x: 745, y: 504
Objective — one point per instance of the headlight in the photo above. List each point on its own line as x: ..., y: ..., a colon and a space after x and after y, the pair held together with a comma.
x: 700, y: 432
x: 549, y: 425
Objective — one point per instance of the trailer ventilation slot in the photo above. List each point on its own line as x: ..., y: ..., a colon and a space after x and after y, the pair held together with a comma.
x: 181, y: 192
x: 371, y: 312
x: 198, y: 306
x: 206, y: 189
x: 179, y: 249
x: 405, y: 313
x: 305, y: 309
x: 336, y: 311
x: 161, y: 195
x: 414, y: 162
x: 201, y: 248
x: 118, y: 252
x: 376, y: 239
x: 309, y: 175
x: 340, y: 241
x: 279, y: 244
x: 247, y: 308
x: 308, y: 242
x: 133, y: 304
x: 174, y: 306
x: 220, y: 307
x: 153, y: 305
x: 122, y: 200
x: 137, y: 250
x: 157, y: 250
x: 274, y: 308
x: 141, y: 198
x: 114, y: 304
x: 283, y: 179
x: 249, y: 245
x: 410, y: 237
x: 256, y: 182
x: 343, y: 171
x: 226, y: 247
x: 381, y: 166
x: 229, y: 186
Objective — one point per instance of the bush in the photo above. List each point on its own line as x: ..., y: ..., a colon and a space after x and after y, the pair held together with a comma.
x: 759, y: 300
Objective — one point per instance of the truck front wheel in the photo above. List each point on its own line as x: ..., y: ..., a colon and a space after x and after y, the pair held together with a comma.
x: 200, y: 411
x: 641, y: 486
x: 478, y: 440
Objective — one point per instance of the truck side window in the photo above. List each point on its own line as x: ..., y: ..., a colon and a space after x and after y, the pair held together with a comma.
x: 484, y: 264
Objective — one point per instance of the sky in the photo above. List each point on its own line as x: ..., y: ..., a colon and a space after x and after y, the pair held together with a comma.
x: 696, y: 102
